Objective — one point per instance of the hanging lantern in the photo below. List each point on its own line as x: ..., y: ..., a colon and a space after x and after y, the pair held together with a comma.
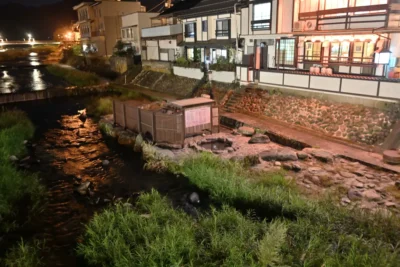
x: 383, y: 57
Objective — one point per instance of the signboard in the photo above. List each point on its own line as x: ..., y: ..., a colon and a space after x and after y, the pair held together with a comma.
x: 197, y: 116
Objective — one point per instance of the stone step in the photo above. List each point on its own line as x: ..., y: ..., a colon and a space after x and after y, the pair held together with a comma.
x: 391, y: 157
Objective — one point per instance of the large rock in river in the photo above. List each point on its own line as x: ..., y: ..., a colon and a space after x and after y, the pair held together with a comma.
x: 281, y: 154
x: 138, y: 143
x: 259, y: 139
x: 246, y: 131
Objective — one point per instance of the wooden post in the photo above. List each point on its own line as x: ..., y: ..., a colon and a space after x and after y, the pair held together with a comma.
x: 114, y: 113
x: 154, y: 127
x: 124, y: 112
x: 183, y: 127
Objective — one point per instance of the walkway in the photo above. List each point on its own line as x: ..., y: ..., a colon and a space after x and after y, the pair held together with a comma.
x: 353, y: 152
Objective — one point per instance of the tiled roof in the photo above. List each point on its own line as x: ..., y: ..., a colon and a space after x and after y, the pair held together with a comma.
x: 208, y: 7
x: 179, y: 6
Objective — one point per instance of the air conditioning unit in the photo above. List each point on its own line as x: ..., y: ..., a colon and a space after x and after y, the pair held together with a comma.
x: 298, y: 26
x: 311, y: 25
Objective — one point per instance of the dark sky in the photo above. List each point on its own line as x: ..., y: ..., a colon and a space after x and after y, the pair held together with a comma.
x: 39, y: 17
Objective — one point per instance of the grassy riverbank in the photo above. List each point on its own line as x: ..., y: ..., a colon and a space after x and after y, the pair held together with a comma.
x: 104, y: 105
x: 73, y: 76
x: 17, y: 54
x: 21, y: 193
x: 297, y: 231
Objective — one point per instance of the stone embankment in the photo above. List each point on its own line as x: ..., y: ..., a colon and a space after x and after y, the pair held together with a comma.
x: 316, y: 171
x: 356, y: 123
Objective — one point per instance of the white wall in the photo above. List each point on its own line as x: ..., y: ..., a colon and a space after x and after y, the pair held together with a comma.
x: 356, y: 86
x: 223, y: 76
x: 188, y: 73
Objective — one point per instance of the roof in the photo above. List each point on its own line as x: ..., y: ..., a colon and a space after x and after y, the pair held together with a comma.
x: 179, y: 6
x: 192, y: 102
x: 209, y: 7
x: 82, y: 4
x: 212, y: 43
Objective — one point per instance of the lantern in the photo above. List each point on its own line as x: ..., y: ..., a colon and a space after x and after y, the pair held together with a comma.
x: 383, y: 57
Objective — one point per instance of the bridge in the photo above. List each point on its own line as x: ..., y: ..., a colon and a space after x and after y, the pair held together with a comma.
x: 34, y: 42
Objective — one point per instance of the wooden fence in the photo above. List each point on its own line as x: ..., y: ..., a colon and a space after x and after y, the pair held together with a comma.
x: 158, y: 126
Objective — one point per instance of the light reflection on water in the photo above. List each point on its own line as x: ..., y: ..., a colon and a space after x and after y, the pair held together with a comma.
x: 37, y: 81
x: 7, y: 83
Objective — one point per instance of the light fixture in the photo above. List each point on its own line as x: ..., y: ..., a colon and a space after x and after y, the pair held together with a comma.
x: 383, y: 57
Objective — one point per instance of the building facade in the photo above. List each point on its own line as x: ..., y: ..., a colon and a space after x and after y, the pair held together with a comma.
x: 100, y: 23
x: 211, y: 30
x: 131, y: 31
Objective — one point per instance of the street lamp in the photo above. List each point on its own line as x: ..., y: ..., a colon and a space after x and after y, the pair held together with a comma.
x: 29, y: 37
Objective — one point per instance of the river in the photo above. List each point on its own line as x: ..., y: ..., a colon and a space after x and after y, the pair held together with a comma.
x: 27, y: 75
x: 71, y: 153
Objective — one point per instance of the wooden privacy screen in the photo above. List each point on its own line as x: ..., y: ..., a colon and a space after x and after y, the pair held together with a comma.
x: 166, y: 128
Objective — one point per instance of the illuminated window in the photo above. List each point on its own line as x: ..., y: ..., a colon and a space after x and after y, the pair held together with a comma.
x: 285, y: 50
x: 261, y: 16
x: 223, y: 27
x: 340, y: 51
x: 312, y: 51
x: 190, y: 29
x: 363, y: 52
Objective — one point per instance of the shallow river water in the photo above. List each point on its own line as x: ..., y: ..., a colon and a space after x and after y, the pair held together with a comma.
x: 71, y: 153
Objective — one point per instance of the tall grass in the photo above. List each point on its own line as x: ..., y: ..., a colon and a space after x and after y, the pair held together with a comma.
x: 20, y: 192
x: 155, y: 234
x: 73, y: 76
x: 104, y: 106
x: 320, y: 232
x: 24, y: 255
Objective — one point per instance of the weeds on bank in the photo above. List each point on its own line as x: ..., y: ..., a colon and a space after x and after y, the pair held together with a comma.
x: 297, y: 231
x: 73, y: 76
x: 104, y: 106
x: 18, y: 190
x: 155, y: 234
x: 24, y: 254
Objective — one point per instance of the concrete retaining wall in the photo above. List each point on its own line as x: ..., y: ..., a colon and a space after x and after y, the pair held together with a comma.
x: 188, y: 72
x: 223, y: 76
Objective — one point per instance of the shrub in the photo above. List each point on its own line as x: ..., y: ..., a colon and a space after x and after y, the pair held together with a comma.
x: 185, y: 63
x: 24, y: 255
x: 73, y: 76
x: 223, y: 64
x: 17, y: 189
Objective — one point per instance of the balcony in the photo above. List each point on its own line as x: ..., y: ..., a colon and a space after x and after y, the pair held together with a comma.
x: 167, y: 30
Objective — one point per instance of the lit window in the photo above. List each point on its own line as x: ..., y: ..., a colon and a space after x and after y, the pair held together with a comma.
x: 223, y: 27
x: 340, y: 51
x: 313, y: 51
x: 261, y: 16
x: 190, y: 30
x: 204, y: 25
x: 285, y: 50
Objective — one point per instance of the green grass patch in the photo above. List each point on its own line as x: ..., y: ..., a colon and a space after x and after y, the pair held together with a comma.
x: 280, y: 227
x: 24, y: 255
x: 20, y: 192
x: 104, y: 105
x: 73, y: 76
x: 155, y: 234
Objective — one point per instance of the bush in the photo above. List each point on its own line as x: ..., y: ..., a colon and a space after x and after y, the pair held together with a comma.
x: 17, y: 189
x: 155, y: 234
x: 24, y: 255
x: 73, y: 76
x: 223, y: 64
x: 185, y: 63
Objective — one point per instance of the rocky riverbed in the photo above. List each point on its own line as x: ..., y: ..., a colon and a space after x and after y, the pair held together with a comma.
x: 316, y: 171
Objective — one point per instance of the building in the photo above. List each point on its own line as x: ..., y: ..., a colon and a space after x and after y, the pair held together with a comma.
x: 349, y: 37
x: 100, y: 23
x: 161, y: 40
x: 131, y: 32
x: 211, y: 29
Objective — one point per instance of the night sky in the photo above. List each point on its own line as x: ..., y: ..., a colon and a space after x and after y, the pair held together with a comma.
x: 39, y: 17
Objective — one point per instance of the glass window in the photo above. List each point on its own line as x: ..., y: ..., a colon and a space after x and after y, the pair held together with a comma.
x: 261, y: 16
x: 190, y: 29
x: 363, y: 52
x: 223, y: 27
x: 190, y: 53
x: 204, y: 25
x: 123, y: 34
x: 312, y: 51
x: 340, y: 51
x: 285, y: 51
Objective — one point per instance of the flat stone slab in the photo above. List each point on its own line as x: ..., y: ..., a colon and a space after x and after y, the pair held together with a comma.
x: 259, y: 139
x: 391, y: 157
x: 283, y: 154
x: 246, y: 131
